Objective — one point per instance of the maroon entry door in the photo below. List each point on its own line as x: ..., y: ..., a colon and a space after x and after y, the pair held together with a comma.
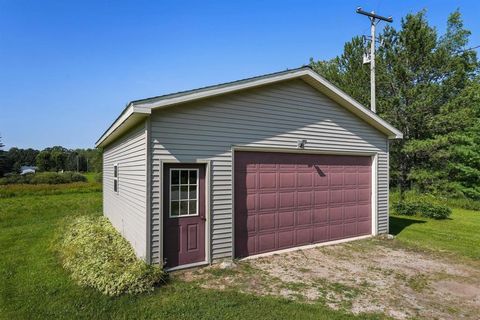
x: 283, y: 200
x: 184, y: 214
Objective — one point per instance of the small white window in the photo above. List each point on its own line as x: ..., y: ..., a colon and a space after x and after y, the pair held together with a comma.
x: 183, y: 192
x: 115, y: 178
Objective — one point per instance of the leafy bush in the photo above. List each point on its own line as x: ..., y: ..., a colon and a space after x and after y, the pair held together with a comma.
x: 43, y: 178
x: 97, y: 256
x: 424, y: 209
x: 435, y: 211
x: 405, y: 208
x: 13, y: 178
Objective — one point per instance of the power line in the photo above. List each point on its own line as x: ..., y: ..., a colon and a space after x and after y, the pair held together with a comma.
x: 472, y: 48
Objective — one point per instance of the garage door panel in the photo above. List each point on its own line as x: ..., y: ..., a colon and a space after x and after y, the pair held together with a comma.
x: 364, y: 194
x: 286, y: 239
x: 250, y: 203
x: 304, y: 179
x: 321, y: 198
x: 350, y: 212
x: 250, y: 181
x: 251, y: 223
x: 364, y: 211
x: 336, y: 231
x: 286, y: 219
x: 320, y: 179
x: 287, y: 180
x: 251, y: 246
x: 284, y: 200
x: 320, y: 215
x: 266, y: 221
x: 350, y: 195
x: 268, y: 165
x: 303, y: 236
x: 336, y: 196
x: 304, y: 218
x: 364, y: 179
x: 335, y: 214
x: 267, y: 180
x: 287, y: 200
x: 267, y: 201
x: 351, y: 179
x: 364, y: 227
x: 266, y: 242
x: 320, y: 234
x: 336, y: 179
x: 304, y: 198
x: 350, y: 229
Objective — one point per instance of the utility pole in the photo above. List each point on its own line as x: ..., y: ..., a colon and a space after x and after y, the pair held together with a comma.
x: 374, y: 19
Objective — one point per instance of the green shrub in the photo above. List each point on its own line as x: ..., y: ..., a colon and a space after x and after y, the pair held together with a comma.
x: 451, y: 200
x: 97, y: 256
x: 44, y: 178
x: 422, y: 208
x: 405, y: 208
x: 435, y: 211
x: 13, y: 178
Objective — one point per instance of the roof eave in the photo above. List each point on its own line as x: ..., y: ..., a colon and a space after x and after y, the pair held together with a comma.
x: 144, y: 108
x: 129, y: 117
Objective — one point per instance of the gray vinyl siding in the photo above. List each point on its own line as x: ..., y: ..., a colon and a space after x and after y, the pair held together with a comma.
x: 127, y: 208
x: 277, y: 116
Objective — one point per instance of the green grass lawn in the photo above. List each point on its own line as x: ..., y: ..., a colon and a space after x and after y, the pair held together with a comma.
x: 458, y: 235
x: 33, y: 285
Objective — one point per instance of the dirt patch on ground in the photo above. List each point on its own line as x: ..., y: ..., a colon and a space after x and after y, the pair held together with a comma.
x: 369, y: 276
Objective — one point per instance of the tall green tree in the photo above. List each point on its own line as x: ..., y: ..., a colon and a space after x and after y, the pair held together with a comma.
x: 17, y: 157
x: 418, y: 74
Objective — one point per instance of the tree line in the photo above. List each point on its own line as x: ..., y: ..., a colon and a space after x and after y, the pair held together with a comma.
x: 55, y: 158
x: 428, y: 86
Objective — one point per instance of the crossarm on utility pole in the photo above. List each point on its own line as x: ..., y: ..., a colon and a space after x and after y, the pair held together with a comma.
x: 373, y: 20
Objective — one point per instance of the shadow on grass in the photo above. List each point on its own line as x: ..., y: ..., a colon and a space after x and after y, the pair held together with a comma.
x: 397, y: 224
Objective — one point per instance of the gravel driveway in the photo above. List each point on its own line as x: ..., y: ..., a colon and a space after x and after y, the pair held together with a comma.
x: 367, y: 276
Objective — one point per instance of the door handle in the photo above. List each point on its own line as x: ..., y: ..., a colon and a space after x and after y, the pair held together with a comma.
x: 203, y: 219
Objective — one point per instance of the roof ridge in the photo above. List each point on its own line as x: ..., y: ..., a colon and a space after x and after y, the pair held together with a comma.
x: 219, y: 85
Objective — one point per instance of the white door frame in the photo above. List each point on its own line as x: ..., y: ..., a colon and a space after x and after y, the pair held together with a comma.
x: 208, y: 258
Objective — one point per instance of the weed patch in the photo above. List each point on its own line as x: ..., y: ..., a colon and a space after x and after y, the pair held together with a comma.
x: 97, y: 256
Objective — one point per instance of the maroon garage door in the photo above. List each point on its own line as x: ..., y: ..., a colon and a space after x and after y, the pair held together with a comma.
x: 284, y: 200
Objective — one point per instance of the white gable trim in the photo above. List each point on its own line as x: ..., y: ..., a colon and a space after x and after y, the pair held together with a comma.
x: 315, y: 80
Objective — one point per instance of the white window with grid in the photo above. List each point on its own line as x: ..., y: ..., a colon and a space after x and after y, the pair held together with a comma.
x: 183, y: 193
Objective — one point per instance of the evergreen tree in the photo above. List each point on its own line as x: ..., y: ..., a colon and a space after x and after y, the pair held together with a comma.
x: 419, y: 75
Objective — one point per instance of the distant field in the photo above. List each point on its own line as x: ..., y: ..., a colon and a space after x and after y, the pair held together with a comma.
x: 17, y: 190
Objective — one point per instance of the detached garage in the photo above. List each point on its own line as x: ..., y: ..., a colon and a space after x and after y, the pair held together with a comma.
x: 250, y: 167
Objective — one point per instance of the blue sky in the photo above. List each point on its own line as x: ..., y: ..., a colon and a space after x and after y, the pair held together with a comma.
x: 67, y: 68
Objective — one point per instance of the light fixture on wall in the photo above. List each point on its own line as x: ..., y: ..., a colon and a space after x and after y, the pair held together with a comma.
x: 301, y: 143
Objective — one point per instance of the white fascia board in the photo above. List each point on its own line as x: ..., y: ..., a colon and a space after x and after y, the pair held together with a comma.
x: 124, y: 117
x: 363, y: 112
x: 219, y: 91
x: 322, y: 84
x: 308, y: 75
